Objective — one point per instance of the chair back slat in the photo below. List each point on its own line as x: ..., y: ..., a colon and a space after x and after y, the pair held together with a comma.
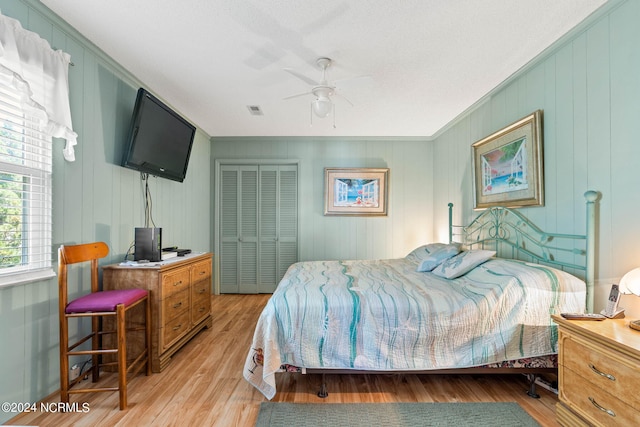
x: 73, y: 254
x: 80, y: 253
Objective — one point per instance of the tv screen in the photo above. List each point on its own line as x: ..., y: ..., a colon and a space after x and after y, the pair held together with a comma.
x: 159, y: 141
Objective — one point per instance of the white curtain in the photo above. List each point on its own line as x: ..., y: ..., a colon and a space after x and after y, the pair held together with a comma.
x: 41, y: 75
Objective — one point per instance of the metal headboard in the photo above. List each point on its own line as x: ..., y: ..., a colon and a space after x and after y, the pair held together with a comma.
x: 513, y: 236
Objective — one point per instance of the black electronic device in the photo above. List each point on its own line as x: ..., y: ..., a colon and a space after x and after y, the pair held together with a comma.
x: 183, y: 252
x: 148, y: 244
x: 160, y: 140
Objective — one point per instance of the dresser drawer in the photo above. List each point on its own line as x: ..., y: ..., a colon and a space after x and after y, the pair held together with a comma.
x: 175, y: 282
x: 594, y: 403
x: 200, y: 310
x: 604, y: 368
x: 175, y: 329
x: 201, y: 290
x: 174, y: 305
x: 201, y: 271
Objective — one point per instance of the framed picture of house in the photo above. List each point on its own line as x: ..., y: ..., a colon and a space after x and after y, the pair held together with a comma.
x: 355, y: 191
x: 507, y: 166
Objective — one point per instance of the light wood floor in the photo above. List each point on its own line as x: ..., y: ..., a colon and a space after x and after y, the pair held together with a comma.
x: 203, y: 385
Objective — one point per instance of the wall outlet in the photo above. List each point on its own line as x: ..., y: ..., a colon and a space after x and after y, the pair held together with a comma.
x: 74, y: 372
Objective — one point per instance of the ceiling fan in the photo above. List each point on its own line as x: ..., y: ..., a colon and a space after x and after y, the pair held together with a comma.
x: 322, y: 90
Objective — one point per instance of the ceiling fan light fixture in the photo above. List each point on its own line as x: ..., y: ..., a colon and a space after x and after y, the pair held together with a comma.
x: 322, y: 107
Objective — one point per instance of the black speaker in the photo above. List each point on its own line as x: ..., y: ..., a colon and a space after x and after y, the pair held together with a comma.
x: 148, y: 244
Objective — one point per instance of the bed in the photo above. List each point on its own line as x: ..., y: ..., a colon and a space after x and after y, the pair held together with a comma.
x: 484, y: 309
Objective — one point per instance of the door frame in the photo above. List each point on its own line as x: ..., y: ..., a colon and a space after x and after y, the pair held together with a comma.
x: 216, y: 205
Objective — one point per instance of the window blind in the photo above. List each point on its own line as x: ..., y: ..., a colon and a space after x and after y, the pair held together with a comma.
x: 25, y: 190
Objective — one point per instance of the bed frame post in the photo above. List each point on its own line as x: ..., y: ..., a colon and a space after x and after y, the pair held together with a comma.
x: 450, y: 222
x: 591, y: 197
x: 323, y: 388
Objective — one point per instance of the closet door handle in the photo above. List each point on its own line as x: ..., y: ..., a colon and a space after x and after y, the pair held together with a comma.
x: 240, y: 239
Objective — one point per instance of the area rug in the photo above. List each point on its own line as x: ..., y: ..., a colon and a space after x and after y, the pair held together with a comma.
x: 393, y: 414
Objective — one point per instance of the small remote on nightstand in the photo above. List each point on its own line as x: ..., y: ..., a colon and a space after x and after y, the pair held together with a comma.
x: 583, y: 316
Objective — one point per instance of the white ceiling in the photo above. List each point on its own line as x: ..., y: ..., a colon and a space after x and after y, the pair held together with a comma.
x: 428, y: 60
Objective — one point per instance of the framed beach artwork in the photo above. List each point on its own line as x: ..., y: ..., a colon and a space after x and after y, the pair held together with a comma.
x: 507, y: 166
x: 355, y: 191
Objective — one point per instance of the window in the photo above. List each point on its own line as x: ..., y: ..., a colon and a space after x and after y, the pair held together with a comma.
x: 25, y: 192
x: 34, y: 108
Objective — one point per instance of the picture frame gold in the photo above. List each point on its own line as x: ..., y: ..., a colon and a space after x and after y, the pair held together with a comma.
x: 508, y: 165
x: 356, y: 191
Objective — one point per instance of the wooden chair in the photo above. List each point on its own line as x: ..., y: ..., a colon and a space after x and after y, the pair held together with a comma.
x: 99, y: 305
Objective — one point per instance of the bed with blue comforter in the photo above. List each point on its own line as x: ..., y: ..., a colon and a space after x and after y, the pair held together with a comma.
x: 385, y: 315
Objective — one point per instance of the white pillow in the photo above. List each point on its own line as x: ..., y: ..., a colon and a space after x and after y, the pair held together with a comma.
x: 462, y: 263
x: 439, y: 255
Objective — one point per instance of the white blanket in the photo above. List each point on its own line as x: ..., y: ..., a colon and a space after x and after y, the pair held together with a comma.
x: 383, y: 315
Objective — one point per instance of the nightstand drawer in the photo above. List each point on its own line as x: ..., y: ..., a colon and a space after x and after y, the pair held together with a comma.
x: 594, y: 403
x: 605, y: 369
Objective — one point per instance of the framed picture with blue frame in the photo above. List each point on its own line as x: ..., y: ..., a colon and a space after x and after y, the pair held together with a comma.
x: 508, y: 165
x: 356, y: 191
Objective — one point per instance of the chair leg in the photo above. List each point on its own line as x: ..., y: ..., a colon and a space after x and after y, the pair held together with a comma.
x: 122, y: 355
x: 64, y: 360
x: 96, y: 343
x: 147, y: 331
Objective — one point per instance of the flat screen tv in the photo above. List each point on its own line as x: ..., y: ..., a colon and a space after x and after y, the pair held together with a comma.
x: 159, y: 141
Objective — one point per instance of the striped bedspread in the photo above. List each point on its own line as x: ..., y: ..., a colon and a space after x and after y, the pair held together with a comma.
x: 383, y: 315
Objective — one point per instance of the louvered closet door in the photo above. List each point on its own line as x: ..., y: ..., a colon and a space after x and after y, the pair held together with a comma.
x: 278, y: 227
x: 258, y: 226
x: 239, y: 229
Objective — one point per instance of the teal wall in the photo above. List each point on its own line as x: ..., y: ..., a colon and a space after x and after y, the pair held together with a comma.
x: 93, y: 199
x: 410, y: 212
x: 588, y: 85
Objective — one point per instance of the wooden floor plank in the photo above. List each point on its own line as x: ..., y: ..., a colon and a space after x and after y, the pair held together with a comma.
x: 203, y: 384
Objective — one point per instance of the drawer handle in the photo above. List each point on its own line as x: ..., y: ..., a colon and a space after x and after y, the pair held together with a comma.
x: 201, y: 310
x: 202, y: 273
x: 178, y: 283
x: 605, y: 410
x: 177, y: 305
x: 202, y: 291
x: 602, y: 374
x: 175, y: 328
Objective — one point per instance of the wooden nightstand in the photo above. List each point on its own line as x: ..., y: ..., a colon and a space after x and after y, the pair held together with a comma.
x: 598, y: 373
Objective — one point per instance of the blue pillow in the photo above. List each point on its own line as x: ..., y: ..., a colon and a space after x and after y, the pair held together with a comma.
x: 422, y: 252
x: 437, y: 256
x: 462, y: 263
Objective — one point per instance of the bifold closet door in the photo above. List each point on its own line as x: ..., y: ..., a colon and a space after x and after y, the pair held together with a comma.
x: 239, y: 229
x: 278, y: 229
x: 258, y: 226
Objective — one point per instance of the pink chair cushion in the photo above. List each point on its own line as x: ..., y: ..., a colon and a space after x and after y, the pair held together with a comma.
x: 105, y: 300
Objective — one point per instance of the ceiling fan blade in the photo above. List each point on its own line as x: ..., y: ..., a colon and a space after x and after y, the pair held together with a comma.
x: 365, y: 79
x: 343, y: 97
x: 301, y: 76
x: 299, y: 95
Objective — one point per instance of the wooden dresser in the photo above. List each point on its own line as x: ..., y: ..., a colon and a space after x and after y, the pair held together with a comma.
x: 598, y: 373
x: 180, y: 291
